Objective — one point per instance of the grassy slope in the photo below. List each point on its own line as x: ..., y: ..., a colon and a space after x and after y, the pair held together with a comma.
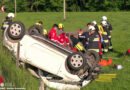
x: 121, y: 42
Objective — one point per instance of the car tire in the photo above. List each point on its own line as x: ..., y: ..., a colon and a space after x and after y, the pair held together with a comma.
x: 35, y: 29
x: 76, y: 61
x: 16, y: 30
x: 92, y: 56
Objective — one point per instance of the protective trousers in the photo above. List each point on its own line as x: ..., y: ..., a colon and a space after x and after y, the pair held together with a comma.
x: 105, y: 43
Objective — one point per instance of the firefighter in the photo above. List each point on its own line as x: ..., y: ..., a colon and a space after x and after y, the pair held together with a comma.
x: 105, y: 43
x: 94, y: 23
x: 52, y: 34
x: 7, y: 22
x: 101, y: 38
x: 109, y: 26
x: 40, y: 23
x: 93, y: 39
x: 76, y: 45
x: 83, y: 38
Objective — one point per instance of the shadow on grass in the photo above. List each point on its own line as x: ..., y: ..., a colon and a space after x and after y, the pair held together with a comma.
x: 119, y: 54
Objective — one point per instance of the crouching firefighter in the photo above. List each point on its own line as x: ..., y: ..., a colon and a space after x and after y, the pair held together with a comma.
x: 93, y: 39
x: 43, y: 31
x: 83, y: 38
x: 105, y: 43
x: 76, y: 44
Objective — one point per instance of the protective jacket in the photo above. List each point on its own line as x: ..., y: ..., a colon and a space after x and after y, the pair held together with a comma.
x: 94, y: 42
x: 83, y: 38
x: 6, y: 24
x: 61, y: 39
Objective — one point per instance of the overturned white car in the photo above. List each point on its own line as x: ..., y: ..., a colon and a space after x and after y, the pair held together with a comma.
x: 56, y: 65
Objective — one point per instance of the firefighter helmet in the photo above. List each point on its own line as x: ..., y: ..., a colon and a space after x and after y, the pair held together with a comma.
x: 104, y: 23
x: 10, y: 15
x: 104, y: 18
x: 94, y: 23
x: 60, y: 25
x: 91, y: 28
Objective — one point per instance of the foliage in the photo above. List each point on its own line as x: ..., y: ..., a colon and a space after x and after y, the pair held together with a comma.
x: 71, y: 5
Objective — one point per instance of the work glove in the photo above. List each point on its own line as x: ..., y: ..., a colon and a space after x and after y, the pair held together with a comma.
x: 101, y: 40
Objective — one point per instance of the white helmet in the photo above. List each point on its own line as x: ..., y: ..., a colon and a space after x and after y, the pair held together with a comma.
x: 10, y: 15
x: 91, y: 28
x: 94, y: 22
x: 104, y: 18
x: 104, y: 23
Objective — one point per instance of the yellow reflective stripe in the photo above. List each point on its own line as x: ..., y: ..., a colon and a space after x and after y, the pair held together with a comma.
x: 5, y: 25
x: 96, y: 39
x: 79, y: 47
x: 106, y: 41
x: 109, y: 36
x: 105, y: 50
x: 110, y: 47
x: 110, y: 31
x: 104, y: 33
x: 97, y: 50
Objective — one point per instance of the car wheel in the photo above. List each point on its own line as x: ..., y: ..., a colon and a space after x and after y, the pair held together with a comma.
x: 92, y: 56
x: 16, y: 30
x: 35, y: 29
x: 76, y: 61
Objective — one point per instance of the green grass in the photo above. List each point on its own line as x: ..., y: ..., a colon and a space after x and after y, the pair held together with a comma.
x: 76, y: 20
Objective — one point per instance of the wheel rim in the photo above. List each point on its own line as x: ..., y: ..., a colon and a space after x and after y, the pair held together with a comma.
x: 76, y: 60
x: 15, y: 29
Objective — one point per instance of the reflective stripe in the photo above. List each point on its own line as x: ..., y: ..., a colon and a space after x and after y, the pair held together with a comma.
x: 109, y: 36
x: 104, y: 33
x: 79, y: 47
x: 97, y: 50
x: 106, y: 41
x: 5, y: 25
x: 105, y: 50
x: 110, y: 31
x: 96, y: 39
x: 110, y: 47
